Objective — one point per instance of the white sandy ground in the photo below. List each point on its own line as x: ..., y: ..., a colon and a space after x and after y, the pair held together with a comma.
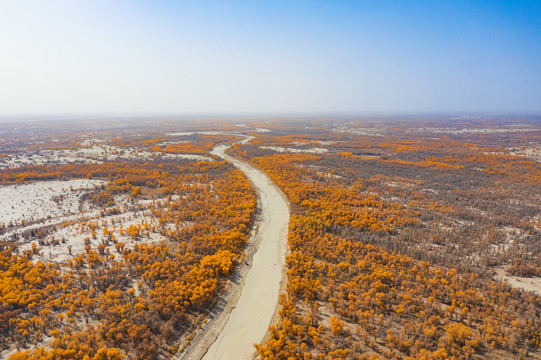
x: 36, y: 201
x: 75, y: 239
x: 237, y: 330
x: 360, y: 131
x: 453, y: 130
x: 532, y: 284
x: 294, y: 150
x: 188, y: 133
x: 97, y: 153
x: 533, y: 152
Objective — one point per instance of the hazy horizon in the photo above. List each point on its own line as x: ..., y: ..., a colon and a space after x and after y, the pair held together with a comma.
x: 138, y: 58
x: 496, y: 118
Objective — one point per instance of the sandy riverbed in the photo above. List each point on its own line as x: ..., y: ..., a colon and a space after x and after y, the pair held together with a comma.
x: 250, y: 319
x: 251, y: 303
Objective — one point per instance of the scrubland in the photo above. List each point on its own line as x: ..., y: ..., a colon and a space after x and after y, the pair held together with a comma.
x: 413, y: 238
x: 121, y: 257
x: 400, y: 239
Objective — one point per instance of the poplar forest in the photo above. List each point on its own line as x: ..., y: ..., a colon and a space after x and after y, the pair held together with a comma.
x: 408, y: 237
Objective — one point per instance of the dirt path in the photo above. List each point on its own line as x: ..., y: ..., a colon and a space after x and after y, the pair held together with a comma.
x: 247, y: 308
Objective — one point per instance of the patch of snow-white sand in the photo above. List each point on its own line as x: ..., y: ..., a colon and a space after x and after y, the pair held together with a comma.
x: 361, y: 131
x: 55, y: 205
x: 452, y: 130
x: 42, y: 200
x: 528, y: 284
x: 293, y: 150
x: 75, y: 240
x: 95, y: 154
x: 533, y: 152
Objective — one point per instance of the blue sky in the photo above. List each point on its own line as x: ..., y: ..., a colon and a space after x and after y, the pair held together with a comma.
x: 217, y: 57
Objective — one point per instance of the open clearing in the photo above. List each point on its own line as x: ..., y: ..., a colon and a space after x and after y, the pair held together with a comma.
x: 41, y: 200
x: 532, y: 284
x: 95, y: 154
x: 55, y: 209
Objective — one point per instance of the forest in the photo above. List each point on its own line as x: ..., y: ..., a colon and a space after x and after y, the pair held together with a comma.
x: 395, y: 241
x: 124, y: 295
x: 416, y: 238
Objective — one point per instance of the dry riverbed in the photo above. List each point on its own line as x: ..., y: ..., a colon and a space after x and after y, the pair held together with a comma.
x: 251, y: 300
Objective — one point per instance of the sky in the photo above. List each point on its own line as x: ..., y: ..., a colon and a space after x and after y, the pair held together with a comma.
x: 269, y: 57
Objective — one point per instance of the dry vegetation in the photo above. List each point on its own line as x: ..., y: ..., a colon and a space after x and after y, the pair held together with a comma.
x: 400, y: 235
x: 150, y: 247
x: 394, y: 239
